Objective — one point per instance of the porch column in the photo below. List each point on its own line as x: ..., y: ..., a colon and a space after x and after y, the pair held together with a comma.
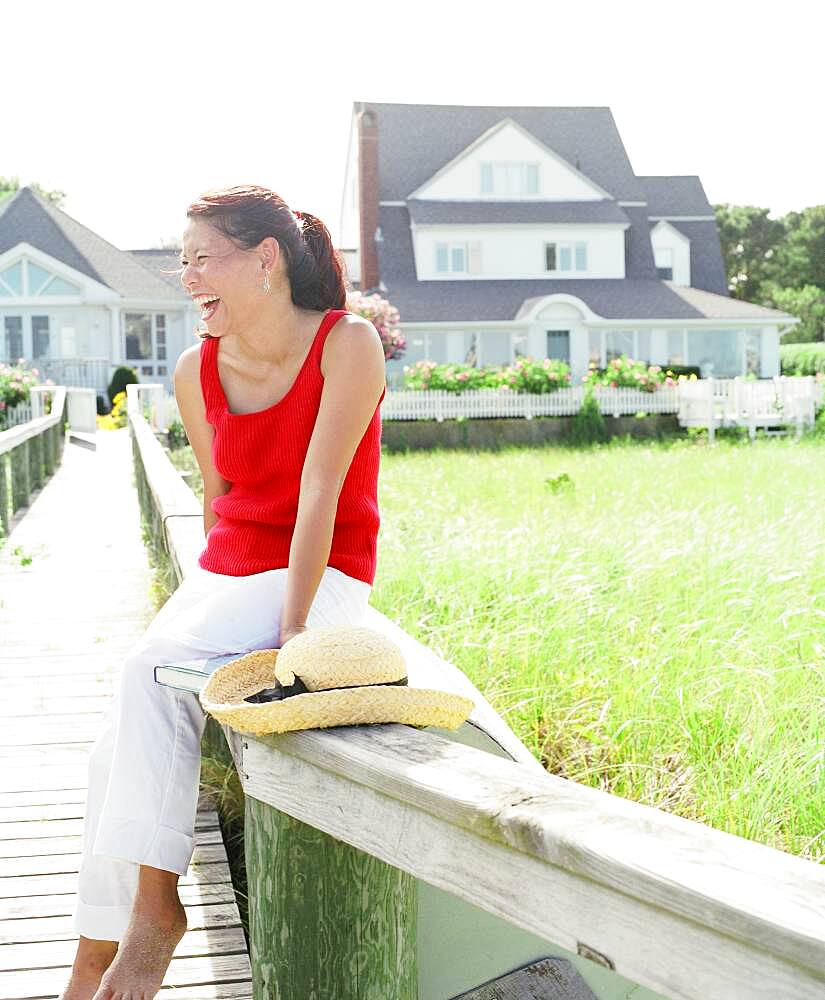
x: 116, y: 350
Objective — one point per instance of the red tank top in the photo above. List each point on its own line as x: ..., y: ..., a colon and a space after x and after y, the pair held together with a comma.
x: 262, y: 455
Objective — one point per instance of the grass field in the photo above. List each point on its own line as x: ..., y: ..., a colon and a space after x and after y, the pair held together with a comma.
x: 653, y: 625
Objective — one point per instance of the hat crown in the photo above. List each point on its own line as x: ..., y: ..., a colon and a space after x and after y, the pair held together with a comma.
x: 336, y: 656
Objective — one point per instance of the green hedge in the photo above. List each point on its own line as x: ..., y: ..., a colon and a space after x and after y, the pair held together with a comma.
x: 802, y: 359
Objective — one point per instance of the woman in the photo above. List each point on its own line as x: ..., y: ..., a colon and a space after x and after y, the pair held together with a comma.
x: 280, y: 402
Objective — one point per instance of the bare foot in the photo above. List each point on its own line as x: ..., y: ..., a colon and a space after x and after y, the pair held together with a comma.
x: 144, y: 954
x: 92, y: 959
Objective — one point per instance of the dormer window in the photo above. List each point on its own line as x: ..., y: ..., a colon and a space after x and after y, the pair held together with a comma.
x: 458, y: 258
x: 509, y: 178
x: 664, y: 262
x: 565, y: 256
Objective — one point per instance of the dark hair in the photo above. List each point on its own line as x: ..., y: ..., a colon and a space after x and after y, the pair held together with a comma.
x: 248, y: 213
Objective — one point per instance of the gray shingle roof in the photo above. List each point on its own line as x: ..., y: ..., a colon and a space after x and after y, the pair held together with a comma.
x: 27, y: 217
x: 675, y: 195
x: 482, y: 299
x: 416, y: 140
x: 502, y: 212
x: 707, y: 266
x: 160, y: 262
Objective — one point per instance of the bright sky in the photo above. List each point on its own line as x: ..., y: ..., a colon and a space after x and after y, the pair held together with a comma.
x: 135, y: 109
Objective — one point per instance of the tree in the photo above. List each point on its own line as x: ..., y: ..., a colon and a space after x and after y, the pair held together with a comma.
x: 808, y: 303
x: 8, y: 185
x: 800, y: 257
x: 749, y: 242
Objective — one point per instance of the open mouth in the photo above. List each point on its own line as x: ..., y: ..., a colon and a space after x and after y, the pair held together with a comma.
x: 208, y: 309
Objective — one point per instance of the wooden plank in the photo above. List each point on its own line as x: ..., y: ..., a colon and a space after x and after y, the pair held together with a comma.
x: 45, y: 864
x: 183, y: 972
x: 61, y: 928
x: 34, y: 847
x: 60, y: 882
x: 62, y: 904
x: 38, y: 829
x: 638, y: 886
x: 42, y: 954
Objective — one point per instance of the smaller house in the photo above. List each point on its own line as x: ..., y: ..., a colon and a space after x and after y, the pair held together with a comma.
x: 75, y: 307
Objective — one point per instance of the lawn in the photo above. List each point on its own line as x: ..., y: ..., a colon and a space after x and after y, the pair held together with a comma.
x: 649, y: 618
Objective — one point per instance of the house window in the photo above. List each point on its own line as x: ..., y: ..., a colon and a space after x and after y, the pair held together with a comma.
x: 558, y: 345
x: 617, y: 343
x: 138, y: 336
x: 717, y: 353
x: 753, y: 343
x: 41, y: 337
x: 11, y: 280
x: 676, y: 347
x: 562, y: 256
x: 13, y: 330
x: 594, y: 347
x: 42, y: 282
x: 509, y: 178
x: 458, y: 258
x: 664, y: 263
x: 160, y: 336
x: 605, y: 345
x: 145, y: 339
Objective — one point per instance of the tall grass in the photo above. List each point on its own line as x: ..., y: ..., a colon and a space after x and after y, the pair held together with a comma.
x: 649, y: 618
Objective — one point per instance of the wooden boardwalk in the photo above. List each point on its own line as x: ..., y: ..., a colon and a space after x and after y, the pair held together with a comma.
x: 67, y: 617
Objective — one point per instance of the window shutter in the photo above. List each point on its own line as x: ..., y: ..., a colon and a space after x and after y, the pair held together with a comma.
x: 475, y: 258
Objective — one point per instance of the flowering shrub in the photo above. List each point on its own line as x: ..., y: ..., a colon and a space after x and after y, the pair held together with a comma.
x: 524, y: 375
x: 15, y: 382
x: 383, y: 316
x: 117, y: 418
x: 624, y: 372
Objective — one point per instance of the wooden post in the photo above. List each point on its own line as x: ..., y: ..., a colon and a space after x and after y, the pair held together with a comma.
x: 325, y: 919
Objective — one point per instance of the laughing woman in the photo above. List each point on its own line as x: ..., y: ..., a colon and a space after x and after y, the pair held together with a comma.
x: 280, y: 401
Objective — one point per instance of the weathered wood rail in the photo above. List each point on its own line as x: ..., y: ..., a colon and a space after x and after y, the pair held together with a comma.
x: 394, y: 863
x: 30, y: 452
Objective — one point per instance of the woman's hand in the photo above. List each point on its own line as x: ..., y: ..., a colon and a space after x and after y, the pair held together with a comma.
x: 290, y: 632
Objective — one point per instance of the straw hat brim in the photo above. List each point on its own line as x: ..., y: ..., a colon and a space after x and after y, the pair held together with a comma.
x: 222, y: 696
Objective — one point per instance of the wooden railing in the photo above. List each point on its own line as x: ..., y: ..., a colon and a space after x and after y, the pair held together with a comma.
x: 402, y: 864
x: 30, y: 452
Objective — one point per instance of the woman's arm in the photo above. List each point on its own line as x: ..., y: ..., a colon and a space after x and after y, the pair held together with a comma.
x: 356, y: 376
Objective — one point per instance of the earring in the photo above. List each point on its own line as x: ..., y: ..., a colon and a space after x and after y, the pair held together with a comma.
x: 267, y: 286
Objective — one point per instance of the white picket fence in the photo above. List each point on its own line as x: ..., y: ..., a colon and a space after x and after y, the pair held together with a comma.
x: 436, y: 404
x: 755, y: 403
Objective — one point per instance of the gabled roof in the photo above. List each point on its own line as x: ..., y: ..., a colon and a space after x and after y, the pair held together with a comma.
x: 161, y: 262
x: 476, y: 300
x: 26, y: 217
x: 503, y: 212
x: 675, y: 195
x: 586, y: 137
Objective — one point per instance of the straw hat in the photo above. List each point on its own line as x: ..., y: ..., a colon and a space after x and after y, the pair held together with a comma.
x: 333, y: 675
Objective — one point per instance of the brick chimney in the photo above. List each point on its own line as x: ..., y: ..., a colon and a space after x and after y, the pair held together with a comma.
x: 368, y: 198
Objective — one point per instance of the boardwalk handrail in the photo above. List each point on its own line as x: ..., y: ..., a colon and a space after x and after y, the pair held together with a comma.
x: 30, y: 452
x: 674, y: 905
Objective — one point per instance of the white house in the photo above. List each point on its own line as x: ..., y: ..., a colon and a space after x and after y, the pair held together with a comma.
x: 75, y: 306
x: 507, y: 231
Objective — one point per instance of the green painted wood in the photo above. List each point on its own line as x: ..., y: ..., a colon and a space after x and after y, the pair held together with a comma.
x: 326, y: 920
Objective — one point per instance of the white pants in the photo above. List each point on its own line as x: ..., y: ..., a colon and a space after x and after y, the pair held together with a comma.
x: 144, y: 768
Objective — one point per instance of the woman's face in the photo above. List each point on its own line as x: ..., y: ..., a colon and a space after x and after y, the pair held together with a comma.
x: 213, y: 266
